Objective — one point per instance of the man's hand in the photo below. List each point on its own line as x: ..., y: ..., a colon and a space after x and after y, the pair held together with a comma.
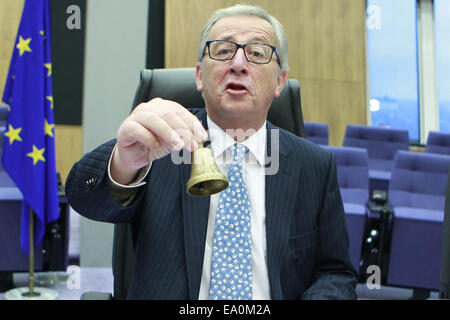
x: 153, y: 130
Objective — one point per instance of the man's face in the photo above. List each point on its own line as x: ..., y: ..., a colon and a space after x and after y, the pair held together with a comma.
x: 238, y: 92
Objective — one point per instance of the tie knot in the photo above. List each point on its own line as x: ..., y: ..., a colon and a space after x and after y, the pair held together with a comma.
x: 238, y: 151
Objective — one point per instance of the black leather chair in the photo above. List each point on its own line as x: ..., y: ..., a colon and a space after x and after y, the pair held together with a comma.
x: 179, y: 85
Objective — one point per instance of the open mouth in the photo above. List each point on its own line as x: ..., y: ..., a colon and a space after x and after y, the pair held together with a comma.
x: 236, y: 87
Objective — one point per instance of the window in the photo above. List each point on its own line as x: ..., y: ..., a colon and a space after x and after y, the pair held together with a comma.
x: 392, y: 64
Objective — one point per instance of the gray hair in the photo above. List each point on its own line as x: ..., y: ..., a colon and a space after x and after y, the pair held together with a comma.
x: 246, y: 10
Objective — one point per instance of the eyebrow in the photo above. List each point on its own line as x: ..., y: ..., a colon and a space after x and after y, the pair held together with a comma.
x: 257, y: 39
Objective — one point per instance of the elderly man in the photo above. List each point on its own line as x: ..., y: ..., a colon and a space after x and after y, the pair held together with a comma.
x: 278, y: 236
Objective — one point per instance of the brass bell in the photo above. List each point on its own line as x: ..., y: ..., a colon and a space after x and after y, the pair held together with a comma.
x: 206, y: 178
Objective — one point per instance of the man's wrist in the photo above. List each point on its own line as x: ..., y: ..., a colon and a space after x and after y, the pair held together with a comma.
x: 136, y: 178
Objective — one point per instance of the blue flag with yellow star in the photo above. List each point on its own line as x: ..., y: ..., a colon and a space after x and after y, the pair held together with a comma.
x: 29, y: 142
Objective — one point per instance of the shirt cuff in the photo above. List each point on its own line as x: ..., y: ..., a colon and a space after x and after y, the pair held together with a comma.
x: 138, y: 180
x: 124, y: 194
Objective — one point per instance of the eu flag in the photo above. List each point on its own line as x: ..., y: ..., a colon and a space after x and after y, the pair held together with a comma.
x: 29, y: 145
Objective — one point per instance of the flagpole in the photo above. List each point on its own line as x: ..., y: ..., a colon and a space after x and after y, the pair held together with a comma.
x: 31, y: 292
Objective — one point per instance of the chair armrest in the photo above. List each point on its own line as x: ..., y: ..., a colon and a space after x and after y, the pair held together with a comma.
x: 96, y: 295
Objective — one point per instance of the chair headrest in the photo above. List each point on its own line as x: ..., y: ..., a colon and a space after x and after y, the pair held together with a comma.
x: 438, y: 142
x: 381, y: 143
x: 350, y: 156
x: 419, y: 180
x: 438, y: 138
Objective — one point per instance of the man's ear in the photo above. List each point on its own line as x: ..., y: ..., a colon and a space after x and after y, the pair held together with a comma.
x: 281, y: 81
x: 198, y: 78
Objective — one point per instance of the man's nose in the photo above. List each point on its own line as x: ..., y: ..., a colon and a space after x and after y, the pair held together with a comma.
x: 239, y: 63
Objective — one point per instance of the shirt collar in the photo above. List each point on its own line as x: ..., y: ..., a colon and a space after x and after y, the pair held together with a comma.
x: 221, y: 141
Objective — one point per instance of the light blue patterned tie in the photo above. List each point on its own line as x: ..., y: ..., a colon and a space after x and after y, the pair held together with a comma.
x: 231, y: 265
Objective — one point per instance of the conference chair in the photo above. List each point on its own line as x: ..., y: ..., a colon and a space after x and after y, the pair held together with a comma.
x: 381, y: 144
x: 417, y: 195
x: 316, y: 132
x: 353, y: 178
x: 179, y: 85
x: 438, y: 142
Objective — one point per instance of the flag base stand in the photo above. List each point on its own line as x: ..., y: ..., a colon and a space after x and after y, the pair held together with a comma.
x: 32, y: 292
x: 24, y: 293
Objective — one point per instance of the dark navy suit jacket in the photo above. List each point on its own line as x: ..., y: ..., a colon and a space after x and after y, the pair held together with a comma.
x: 307, y: 241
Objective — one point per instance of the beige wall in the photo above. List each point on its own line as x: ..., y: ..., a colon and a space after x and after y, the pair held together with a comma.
x: 68, y: 147
x: 326, y: 49
x: 10, y: 13
x: 68, y: 138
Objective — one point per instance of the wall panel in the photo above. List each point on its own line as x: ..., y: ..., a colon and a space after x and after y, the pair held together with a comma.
x: 68, y: 144
x: 10, y: 14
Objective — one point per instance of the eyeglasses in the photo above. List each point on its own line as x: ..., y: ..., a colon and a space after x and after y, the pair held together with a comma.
x: 224, y: 50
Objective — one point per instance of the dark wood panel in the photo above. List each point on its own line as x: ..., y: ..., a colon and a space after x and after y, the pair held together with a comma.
x: 67, y: 62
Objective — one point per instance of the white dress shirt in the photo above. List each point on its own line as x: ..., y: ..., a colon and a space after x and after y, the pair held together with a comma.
x: 254, y: 177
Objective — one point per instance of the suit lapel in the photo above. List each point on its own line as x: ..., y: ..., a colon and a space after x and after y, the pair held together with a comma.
x: 281, y: 192
x: 195, y: 211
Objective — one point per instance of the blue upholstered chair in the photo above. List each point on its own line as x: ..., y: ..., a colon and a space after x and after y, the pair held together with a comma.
x: 381, y: 144
x: 438, y: 142
x: 316, y: 132
x: 353, y: 177
x: 417, y: 194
